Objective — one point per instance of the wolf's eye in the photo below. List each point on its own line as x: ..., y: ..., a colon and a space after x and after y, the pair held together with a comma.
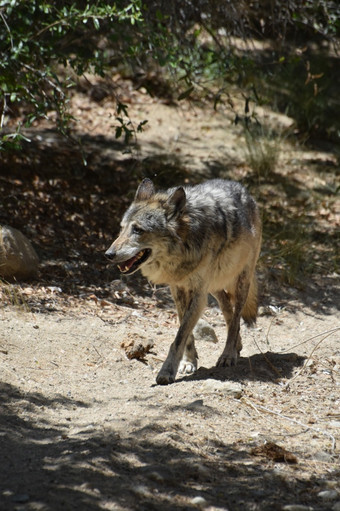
x: 137, y: 230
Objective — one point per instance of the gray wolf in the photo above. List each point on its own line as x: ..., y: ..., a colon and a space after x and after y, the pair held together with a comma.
x: 197, y: 239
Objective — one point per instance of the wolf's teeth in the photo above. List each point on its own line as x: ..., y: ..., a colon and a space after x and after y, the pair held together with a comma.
x: 125, y: 267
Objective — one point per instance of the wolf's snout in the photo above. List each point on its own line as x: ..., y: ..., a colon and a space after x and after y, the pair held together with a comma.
x: 110, y: 253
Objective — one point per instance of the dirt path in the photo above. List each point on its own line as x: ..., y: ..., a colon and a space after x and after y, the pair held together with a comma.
x: 83, y: 427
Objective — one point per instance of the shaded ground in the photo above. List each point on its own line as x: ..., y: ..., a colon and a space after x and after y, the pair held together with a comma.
x: 82, y: 427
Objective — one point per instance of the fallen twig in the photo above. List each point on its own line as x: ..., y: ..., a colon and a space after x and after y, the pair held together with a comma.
x: 327, y: 332
x: 278, y: 414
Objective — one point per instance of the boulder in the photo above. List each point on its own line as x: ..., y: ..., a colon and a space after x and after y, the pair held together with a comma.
x: 18, y: 259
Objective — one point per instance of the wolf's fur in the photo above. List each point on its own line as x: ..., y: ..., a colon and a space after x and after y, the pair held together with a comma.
x: 199, y: 240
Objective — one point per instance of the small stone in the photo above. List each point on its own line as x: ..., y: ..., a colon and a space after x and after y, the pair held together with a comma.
x: 226, y: 388
x: 199, y: 502
x: 141, y: 491
x: 203, y: 472
x: 157, y: 477
x: 21, y: 498
x: 296, y: 507
x: 195, y: 405
x: 205, y: 332
x: 336, y: 506
x: 328, y: 494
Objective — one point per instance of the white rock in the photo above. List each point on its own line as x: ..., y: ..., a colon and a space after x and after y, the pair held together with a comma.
x: 226, y: 388
x: 18, y: 259
x: 328, y: 494
x: 199, y: 502
x: 205, y: 332
x: 334, y: 424
x: 296, y: 507
x: 141, y: 490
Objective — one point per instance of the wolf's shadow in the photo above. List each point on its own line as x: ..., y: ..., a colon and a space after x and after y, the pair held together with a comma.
x: 260, y: 367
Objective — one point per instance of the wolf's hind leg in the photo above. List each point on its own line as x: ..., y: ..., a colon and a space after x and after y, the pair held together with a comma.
x: 182, y: 354
x: 188, y: 364
x: 233, y: 345
x: 226, y: 307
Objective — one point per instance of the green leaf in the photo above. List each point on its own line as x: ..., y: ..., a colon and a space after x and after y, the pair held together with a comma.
x: 141, y: 125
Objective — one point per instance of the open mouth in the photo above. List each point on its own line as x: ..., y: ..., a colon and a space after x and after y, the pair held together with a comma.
x: 131, y: 265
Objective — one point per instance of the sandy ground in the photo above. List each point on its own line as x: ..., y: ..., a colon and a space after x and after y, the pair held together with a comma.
x: 84, y: 427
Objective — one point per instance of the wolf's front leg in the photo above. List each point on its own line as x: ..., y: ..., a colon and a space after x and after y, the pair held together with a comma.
x: 167, y: 374
x: 177, y: 360
x: 182, y: 354
x: 188, y: 364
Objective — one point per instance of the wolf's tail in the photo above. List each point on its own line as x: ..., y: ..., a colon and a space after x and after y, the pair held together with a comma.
x: 249, y: 311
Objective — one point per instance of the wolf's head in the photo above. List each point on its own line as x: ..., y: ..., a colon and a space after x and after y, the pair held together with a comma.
x: 148, y: 226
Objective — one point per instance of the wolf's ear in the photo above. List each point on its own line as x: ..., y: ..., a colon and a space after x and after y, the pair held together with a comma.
x: 175, y: 203
x: 145, y: 190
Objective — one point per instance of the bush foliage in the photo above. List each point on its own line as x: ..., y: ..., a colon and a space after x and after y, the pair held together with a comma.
x: 44, y: 44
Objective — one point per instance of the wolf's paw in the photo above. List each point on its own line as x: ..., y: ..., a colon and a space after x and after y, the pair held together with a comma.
x: 227, y: 359
x: 186, y: 367
x: 165, y: 378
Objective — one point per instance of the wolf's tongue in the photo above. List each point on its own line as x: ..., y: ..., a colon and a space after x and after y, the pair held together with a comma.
x: 126, y: 265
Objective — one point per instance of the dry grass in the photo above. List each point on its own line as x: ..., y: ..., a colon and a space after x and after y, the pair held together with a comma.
x: 11, y: 294
x: 262, y: 150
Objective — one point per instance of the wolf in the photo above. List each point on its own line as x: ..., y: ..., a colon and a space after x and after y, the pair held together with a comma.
x: 197, y: 239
